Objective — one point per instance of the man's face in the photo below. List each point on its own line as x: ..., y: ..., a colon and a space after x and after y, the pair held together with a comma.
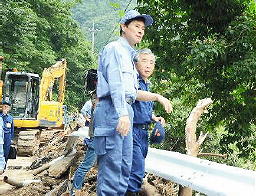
x: 6, y: 109
x: 134, y: 32
x: 145, y: 65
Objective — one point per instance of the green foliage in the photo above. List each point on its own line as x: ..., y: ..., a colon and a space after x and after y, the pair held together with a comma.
x: 105, y: 15
x: 207, y: 49
x: 35, y: 34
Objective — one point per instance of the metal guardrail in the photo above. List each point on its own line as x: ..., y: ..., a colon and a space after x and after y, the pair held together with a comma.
x: 201, y: 175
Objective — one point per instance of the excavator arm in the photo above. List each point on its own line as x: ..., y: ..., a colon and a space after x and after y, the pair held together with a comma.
x: 57, y: 71
x: 51, y: 112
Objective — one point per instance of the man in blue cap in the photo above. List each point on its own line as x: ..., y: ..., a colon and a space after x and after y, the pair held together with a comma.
x: 143, y: 116
x: 117, y: 90
x: 2, y: 159
x: 8, y: 128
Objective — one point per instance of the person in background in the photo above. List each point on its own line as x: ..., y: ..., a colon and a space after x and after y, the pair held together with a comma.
x: 117, y: 89
x: 90, y: 156
x: 2, y: 159
x: 86, y: 112
x: 8, y: 127
x: 143, y: 116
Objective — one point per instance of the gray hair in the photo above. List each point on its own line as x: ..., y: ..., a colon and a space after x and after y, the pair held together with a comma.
x: 142, y: 51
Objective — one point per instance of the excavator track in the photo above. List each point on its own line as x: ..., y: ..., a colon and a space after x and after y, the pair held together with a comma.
x: 28, y: 142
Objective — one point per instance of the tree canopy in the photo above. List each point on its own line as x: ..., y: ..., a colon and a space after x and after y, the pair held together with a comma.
x: 204, y: 49
x: 105, y: 15
x: 207, y: 49
x: 34, y: 34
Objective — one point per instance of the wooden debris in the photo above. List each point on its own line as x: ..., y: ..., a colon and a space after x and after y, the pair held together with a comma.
x: 192, y: 143
x: 61, y: 166
x: 59, y: 190
x: 17, y: 183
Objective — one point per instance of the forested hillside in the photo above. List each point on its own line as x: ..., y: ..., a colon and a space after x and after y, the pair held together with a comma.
x: 208, y: 49
x: 204, y: 49
x: 34, y: 34
x: 105, y: 15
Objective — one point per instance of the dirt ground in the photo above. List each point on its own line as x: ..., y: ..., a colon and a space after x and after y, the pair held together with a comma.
x: 16, y: 169
x: 21, y: 170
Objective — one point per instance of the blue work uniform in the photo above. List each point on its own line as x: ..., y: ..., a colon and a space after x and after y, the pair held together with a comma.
x: 2, y: 159
x: 87, y: 111
x: 89, y: 157
x: 8, y: 133
x: 116, y: 90
x: 142, y: 118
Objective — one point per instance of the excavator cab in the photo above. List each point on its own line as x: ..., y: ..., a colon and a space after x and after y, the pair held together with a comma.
x: 22, y: 90
x: 36, y: 104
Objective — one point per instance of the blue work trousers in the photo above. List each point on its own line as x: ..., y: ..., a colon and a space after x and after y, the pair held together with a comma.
x: 2, y: 159
x: 114, y: 151
x: 89, y: 160
x: 7, y: 145
x: 140, y: 150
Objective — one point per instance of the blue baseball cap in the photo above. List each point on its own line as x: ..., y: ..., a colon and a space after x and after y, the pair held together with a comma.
x: 154, y: 139
x: 133, y: 14
x: 6, y: 103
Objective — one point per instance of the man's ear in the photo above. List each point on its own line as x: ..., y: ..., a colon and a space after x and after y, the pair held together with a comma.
x: 123, y: 27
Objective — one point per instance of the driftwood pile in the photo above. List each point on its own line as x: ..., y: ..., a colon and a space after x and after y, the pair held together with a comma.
x: 51, y: 169
x: 55, y: 166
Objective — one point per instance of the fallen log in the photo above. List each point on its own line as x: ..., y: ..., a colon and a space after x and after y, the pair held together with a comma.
x: 60, y: 167
x: 201, y: 154
x: 46, y: 165
x: 61, y: 188
x: 71, y: 144
x: 17, y: 183
x: 148, y: 189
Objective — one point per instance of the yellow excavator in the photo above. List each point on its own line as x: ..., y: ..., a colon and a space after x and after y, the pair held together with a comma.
x: 36, y: 104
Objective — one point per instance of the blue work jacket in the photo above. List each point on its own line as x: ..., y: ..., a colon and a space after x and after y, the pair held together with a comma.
x: 1, y: 130
x: 8, y: 124
x: 117, y: 76
x: 142, y: 109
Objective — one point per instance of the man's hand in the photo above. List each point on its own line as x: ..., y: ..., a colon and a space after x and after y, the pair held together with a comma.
x: 148, y: 96
x: 165, y: 102
x: 123, y: 125
x: 159, y: 119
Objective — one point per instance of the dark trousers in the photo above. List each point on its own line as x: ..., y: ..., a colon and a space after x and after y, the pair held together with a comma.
x: 140, y: 150
x: 7, y: 145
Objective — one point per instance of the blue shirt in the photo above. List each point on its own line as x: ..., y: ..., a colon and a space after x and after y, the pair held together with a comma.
x: 116, y: 74
x: 2, y: 159
x: 8, y: 124
x: 1, y: 131
x: 87, y: 109
x: 142, y: 109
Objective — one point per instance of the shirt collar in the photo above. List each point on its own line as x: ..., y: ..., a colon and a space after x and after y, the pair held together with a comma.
x: 145, y: 81
x: 125, y: 43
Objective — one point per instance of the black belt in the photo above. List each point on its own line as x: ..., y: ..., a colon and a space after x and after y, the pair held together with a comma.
x: 129, y: 100
x: 141, y: 126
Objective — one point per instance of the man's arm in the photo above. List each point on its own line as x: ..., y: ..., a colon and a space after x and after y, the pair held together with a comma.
x: 148, y: 96
x: 117, y: 91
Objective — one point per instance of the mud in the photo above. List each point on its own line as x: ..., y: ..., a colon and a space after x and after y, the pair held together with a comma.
x: 21, y: 169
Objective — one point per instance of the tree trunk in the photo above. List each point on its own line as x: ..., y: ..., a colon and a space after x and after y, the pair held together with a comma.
x: 192, y: 144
